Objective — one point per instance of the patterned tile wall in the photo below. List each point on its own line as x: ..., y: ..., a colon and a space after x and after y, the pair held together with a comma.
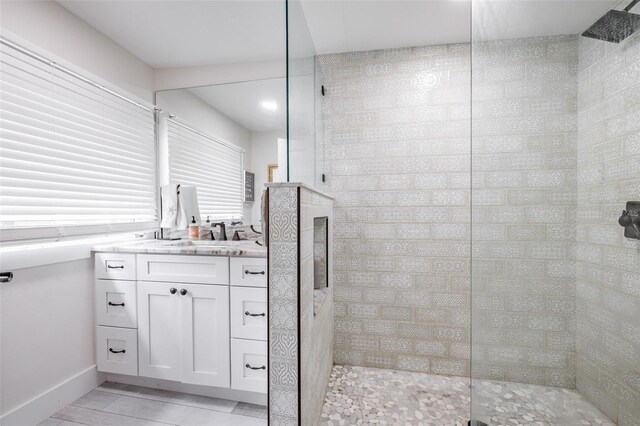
x: 316, y: 330
x: 608, y: 265
x: 397, y: 158
x: 524, y: 219
x: 283, y: 305
x: 396, y: 135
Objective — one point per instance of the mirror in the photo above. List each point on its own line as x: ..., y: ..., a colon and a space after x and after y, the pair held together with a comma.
x: 250, y: 115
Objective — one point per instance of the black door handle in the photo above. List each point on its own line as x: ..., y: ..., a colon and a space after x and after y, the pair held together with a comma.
x: 115, y: 267
x: 183, y: 291
x: 116, y: 304
x: 117, y: 352
x: 255, y: 368
x: 253, y: 273
x: 173, y: 290
x: 6, y: 277
x: 254, y: 315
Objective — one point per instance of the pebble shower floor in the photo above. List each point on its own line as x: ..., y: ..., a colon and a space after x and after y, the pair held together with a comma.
x: 361, y: 396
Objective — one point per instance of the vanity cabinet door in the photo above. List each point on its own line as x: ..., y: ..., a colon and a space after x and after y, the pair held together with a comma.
x: 205, y: 334
x: 159, y: 330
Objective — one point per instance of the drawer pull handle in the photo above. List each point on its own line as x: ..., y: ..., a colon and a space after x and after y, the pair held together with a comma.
x: 116, y: 304
x: 6, y: 277
x: 173, y: 290
x: 247, y: 313
x: 117, y: 352
x: 253, y: 273
x: 255, y: 368
x: 115, y: 267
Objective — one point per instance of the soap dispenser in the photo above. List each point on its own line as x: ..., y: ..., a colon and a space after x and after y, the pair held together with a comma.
x: 194, y: 229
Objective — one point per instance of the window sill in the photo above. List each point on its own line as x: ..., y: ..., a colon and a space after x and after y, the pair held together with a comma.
x: 30, y: 255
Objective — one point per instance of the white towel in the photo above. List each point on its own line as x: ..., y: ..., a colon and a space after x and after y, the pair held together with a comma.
x: 187, y: 206
x: 169, y: 194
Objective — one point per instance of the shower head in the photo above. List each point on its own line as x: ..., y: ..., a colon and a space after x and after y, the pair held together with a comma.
x: 616, y: 25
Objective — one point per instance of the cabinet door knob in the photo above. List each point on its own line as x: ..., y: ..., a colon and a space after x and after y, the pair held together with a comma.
x: 116, y: 304
x: 253, y: 273
x: 249, y: 314
x: 173, y: 290
x: 255, y: 368
x: 183, y: 291
x: 117, y: 352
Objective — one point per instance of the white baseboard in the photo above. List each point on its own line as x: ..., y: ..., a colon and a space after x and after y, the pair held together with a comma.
x: 222, y: 393
x: 44, y: 405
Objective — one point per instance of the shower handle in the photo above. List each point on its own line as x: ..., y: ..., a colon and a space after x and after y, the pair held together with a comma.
x: 630, y: 221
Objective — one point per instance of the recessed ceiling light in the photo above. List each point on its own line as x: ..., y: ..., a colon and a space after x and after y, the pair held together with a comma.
x: 269, y: 105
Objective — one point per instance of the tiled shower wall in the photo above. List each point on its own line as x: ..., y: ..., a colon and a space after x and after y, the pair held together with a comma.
x: 396, y: 156
x: 524, y: 198
x: 608, y: 265
x: 397, y: 159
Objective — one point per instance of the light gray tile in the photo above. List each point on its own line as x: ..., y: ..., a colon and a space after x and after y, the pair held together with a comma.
x: 190, y: 400
x: 251, y: 410
x: 165, y: 412
x: 96, y: 400
x: 100, y: 418
x: 50, y: 422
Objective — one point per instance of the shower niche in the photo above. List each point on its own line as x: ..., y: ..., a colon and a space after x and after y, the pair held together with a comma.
x: 320, y: 261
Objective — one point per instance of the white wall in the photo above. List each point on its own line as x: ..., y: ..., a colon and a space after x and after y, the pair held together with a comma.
x: 47, y: 312
x: 190, y: 109
x: 264, y: 151
x: 49, y: 26
x: 47, y: 329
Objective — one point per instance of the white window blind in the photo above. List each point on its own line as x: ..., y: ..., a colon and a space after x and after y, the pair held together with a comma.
x: 212, y: 166
x: 74, y: 158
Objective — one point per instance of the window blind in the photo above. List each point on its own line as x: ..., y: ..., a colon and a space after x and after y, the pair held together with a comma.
x: 74, y: 157
x: 212, y: 166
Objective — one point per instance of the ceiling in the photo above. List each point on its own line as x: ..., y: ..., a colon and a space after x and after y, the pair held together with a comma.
x: 242, y: 102
x: 182, y: 33
x: 354, y: 25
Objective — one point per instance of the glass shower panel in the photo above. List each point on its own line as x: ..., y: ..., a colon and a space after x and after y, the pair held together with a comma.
x: 303, y: 91
x: 554, y: 140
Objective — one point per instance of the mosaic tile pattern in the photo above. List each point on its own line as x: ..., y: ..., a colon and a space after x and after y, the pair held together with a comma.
x: 361, y: 395
x: 608, y: 265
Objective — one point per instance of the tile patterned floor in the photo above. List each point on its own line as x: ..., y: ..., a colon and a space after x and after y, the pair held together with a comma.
x: 126, y: 405
x: 359, y: 395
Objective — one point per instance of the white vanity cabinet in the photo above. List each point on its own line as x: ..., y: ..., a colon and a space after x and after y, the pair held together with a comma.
x: 189, y: 318
x: 184, y: 332
x: 249, y: 323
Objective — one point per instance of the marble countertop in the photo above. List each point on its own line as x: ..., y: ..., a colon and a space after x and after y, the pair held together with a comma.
x: 198, y: 247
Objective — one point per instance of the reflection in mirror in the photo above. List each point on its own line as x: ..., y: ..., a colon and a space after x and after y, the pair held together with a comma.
x: 248, y: 117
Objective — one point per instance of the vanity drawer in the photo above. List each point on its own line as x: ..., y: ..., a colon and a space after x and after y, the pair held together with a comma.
x: 115, y: 266
x: 249, y: 365
x: 116, y: 303
x: 249, y: 313
x: 183, y: 269
x: 249, y: 271
x: 117, y: 350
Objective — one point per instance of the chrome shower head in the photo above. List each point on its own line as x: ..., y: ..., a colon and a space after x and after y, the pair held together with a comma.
x: 615, y: 26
